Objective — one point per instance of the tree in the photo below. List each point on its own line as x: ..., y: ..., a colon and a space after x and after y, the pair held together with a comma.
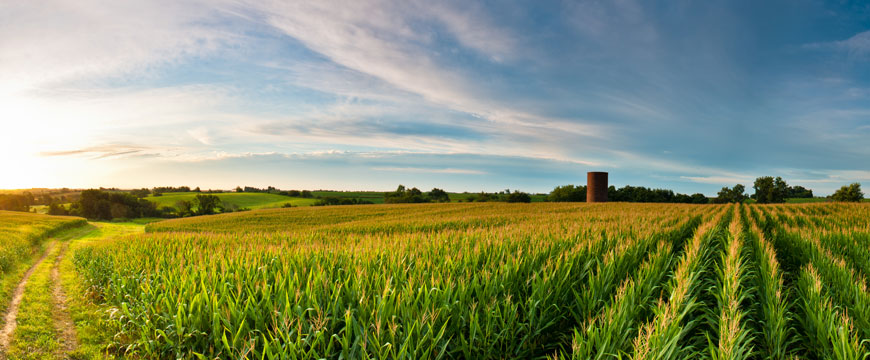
x: 206, y: 204
x: 568, y: 193
x: 439, y: 195
x: 519, y: 197
x: 799, y: 192
x: 184, y: 208
x: 769, y: 190
x: 732, y: 195
x: 403, y: 195
x: 57, y: 209
x: 851, y: 192
x: 698, y: 198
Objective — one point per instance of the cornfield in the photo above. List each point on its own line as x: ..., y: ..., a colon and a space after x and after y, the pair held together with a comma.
x: 493, y: 281
x: 21, y: 232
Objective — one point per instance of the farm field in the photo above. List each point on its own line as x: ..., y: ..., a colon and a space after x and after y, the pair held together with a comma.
x: 242, y: 200
x: 479, y: 281
x: 452, y: 281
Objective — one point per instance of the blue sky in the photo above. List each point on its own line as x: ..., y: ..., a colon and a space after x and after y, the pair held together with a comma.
x: 468, y: 96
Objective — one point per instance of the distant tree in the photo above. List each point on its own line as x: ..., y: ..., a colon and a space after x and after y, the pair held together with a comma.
x: 699, y: 198
x: 306, y: 194
x: 403, y: 195
x: 197, y: 189
x: 206, y: 204
x: 438, y: 195
x: 167, y: 211
x: 57, y: 209
x: 141, y: 193
x: 184, y: 208
x: 239, y: 189
x: 568, y: 193
x: 851, y: 192
x: 731, y: 195
x: 519, y: 197
x: 799, y: 192
x: 332, y: 200
x: 293, y: 193
x: 769, y: 190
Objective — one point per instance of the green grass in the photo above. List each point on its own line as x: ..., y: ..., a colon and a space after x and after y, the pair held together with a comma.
x: 376, y: 197
x: 94, y: 332
x: 35, y: 336
x: 242, y: 200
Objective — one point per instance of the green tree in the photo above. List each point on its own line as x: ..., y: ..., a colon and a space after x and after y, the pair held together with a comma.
x: 206, y: 204
x: 851, y: 192
x: 568, y: 193
x: 731, y: 195
x: 769, y: 190
x: 519, y: 197
x: 184, y: 208
x: 439, y: 195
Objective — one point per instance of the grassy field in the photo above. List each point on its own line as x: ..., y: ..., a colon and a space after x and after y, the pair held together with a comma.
x: 242, y: 200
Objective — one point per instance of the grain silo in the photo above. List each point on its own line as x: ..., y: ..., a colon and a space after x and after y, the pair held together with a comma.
x: 596, y: 186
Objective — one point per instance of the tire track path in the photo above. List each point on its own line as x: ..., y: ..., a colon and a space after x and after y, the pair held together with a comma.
x: 63, y: 321
x: 10, y: 320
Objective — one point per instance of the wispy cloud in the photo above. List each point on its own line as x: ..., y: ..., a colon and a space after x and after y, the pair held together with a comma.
x: 98, y: 152
x: 429, y: 170
x: 858, y: 44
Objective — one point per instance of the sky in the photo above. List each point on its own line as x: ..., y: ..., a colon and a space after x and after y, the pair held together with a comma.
x: 461, y: 95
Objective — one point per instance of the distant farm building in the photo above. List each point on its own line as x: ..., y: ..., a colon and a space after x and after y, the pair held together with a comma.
x: 596, y: 186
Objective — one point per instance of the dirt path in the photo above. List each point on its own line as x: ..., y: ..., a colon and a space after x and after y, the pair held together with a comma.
x: 63, y: 322
x: 10, y: 322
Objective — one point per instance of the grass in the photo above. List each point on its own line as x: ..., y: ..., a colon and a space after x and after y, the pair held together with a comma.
x: 242, y: 200
x: 21, y: 237
x: 95, y: 332
x: 35, y: 336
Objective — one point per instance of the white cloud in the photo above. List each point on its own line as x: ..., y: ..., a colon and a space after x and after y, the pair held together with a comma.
x: 858, y: 44
x: 429, y: 170
x: 43, y: 42
x: 382, y: 40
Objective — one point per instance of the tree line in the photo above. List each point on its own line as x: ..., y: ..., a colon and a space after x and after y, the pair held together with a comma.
x: 770, y: 190
x: 572, y: 193
x: 415, y: 195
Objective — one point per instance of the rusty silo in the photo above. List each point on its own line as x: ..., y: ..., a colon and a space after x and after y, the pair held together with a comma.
x: 596, y: 186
